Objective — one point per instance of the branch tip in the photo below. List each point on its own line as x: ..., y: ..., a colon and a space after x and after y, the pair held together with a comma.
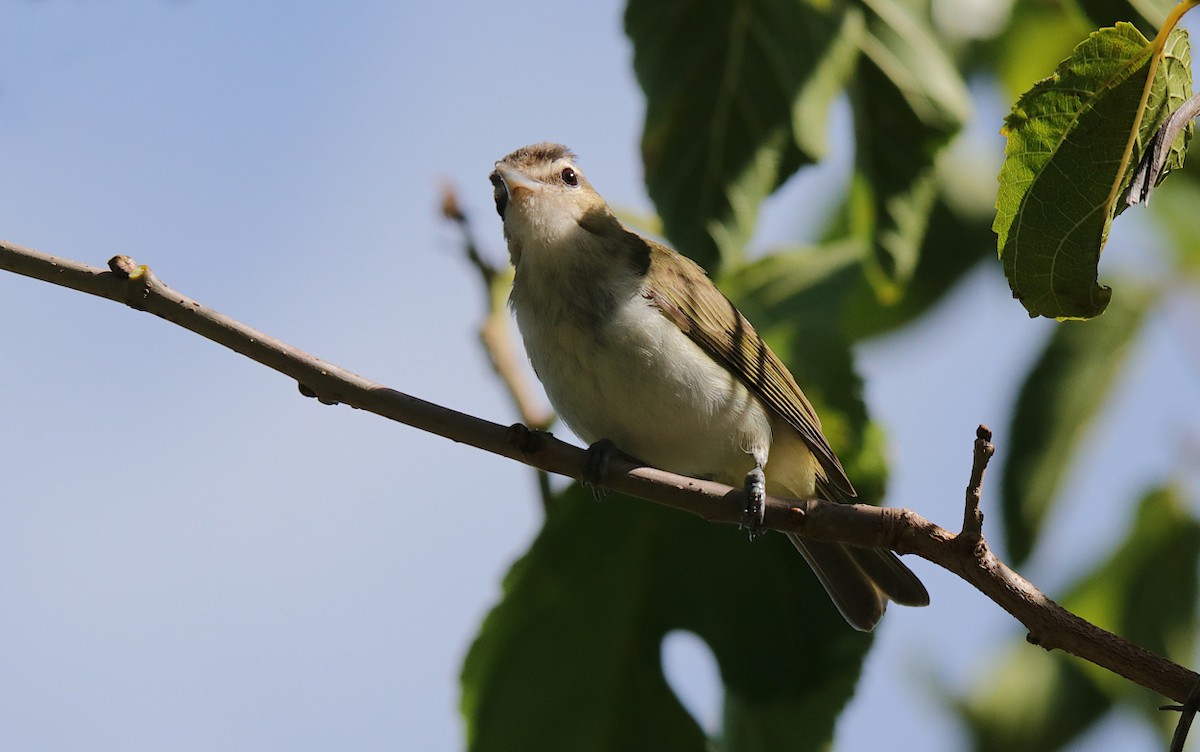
x: 972, y: 529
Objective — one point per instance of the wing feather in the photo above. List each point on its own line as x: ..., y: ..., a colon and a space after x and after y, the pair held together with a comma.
x: 706, y: 316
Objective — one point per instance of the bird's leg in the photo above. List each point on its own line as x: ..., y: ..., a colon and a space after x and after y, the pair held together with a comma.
x: 755, y: 511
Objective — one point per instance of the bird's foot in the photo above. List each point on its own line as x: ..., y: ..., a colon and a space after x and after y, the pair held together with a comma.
x: 599, y: 455
x: 754, y: 514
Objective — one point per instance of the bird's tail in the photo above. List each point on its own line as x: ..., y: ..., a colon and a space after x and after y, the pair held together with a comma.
x: 861, y: 580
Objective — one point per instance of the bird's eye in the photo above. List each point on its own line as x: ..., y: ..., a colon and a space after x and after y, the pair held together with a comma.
x: 569, y: 177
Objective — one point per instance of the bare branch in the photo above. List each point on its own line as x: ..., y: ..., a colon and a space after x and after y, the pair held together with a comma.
x: 966, y: 555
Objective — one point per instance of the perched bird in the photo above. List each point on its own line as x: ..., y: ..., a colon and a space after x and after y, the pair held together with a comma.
x: 635, y: 345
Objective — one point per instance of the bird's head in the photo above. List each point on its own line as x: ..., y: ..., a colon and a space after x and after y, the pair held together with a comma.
x: 543, y: 196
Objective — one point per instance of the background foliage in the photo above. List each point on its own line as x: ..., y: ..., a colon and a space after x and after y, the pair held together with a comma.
x: 737, y: 101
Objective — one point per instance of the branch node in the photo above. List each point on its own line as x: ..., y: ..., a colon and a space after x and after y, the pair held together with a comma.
x: 140, y: 277
x: 122, y: 266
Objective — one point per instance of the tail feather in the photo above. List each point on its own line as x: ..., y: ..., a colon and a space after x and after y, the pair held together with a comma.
x: 886, y: 570
x: 861, y: 581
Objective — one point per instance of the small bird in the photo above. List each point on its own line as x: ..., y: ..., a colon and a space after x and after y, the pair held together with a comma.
x: 637, y: 348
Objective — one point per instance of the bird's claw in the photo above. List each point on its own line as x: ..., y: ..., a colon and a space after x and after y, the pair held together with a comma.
x: 599, y: 455
x: 754, y: 514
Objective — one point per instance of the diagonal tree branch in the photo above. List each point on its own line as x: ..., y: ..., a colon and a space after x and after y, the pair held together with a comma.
x: 966, y: 554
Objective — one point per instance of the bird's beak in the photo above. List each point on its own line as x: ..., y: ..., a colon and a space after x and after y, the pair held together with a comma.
x: 515, y: 181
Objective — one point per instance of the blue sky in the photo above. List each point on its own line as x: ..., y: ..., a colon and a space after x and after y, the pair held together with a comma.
x: 192, y: 556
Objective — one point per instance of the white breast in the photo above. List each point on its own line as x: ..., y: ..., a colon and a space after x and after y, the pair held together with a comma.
x: 639, y: 381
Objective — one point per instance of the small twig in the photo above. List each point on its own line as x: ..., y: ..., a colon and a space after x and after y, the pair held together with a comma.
x: 1187, y: 714
x: 972, y: 529
x: 901, y: 530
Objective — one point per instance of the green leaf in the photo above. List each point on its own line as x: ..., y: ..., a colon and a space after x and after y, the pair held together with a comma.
x: 908, y: 101
x: 1060, y: 397
x: 737, y: 98
x: 570, y: 658
x: 1066, y: 141
x: 1034, y: 701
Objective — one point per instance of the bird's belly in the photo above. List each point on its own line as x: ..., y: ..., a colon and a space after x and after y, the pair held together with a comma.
x: 643, y: 384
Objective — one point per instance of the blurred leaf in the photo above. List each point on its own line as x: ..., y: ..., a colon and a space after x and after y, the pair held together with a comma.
x: 1146, y: 592
x: 570, y: 658
x: 956, y: 242
x: 1146, y: 15
x: 1031, y: 701
x: 826, y: 288
x: 1062, y: 393
x: 908, y: 100
x: 737, y: 98
x: 1174, y: 210
x: 1039, y: 34
x: 1066, y: 139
